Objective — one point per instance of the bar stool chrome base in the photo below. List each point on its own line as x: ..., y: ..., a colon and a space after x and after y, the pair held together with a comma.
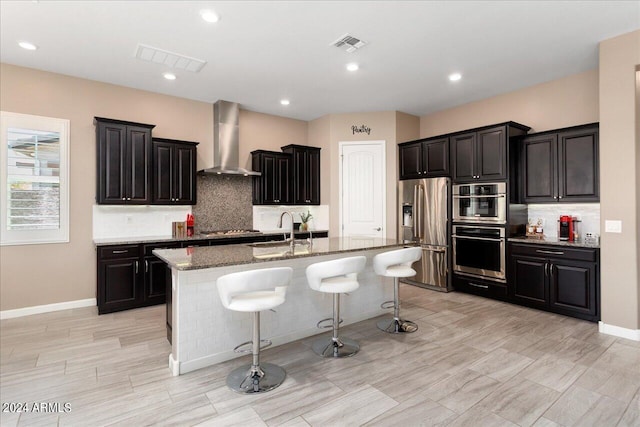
x: 335, y: 347
x: 245, y: 380
x: 397, y: 326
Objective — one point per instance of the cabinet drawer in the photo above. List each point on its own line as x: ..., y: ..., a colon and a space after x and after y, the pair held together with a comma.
x: 121, y: 251
x: 555, y: 252
x: 479, y: 287
x: 148, y: 248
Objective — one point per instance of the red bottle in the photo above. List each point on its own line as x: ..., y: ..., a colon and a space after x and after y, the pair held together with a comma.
x: 190, y: 222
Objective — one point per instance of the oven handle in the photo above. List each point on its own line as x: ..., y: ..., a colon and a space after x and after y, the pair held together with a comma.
x: 493, y: 196
x: 477, y: 238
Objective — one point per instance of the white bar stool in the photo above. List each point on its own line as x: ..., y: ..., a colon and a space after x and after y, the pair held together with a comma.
x: 335, y: 277
x: 396, y: 264
x: 254, y: 291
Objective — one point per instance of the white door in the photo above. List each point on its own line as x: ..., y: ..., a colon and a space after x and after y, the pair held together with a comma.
x: 362, y: 184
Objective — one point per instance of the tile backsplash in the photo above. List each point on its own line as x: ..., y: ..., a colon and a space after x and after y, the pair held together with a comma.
x: 549, y: 213
x: 112, y: 221
x: 224, y: 203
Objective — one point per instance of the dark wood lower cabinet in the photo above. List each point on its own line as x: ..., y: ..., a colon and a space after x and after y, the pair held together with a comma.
x: 485, y: 288
x: 573, y: 288
x: 528, y: 280
x: 124, y: 290
x: 155, y: 280
x: 559, y: 279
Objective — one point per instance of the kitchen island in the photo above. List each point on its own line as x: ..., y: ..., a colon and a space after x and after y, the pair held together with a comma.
x: 204, y: 332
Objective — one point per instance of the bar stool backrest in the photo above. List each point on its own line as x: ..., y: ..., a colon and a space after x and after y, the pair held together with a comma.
x: 406, y: 256
x: 348, y: 267
x: 266, y: 279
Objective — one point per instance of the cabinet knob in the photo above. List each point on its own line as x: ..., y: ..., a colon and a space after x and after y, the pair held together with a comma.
x: 555, y: 197
x: 128, y: 198
x: 419, y: 173
x: 560, y: 197
x: 124, y: 198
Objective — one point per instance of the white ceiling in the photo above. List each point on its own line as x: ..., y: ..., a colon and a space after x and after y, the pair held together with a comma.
x: 261, y: 52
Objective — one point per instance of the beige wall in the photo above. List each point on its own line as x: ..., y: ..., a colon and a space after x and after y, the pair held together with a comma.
x: 328, y: 131
x: 619, y: 176
x: 560, y: 103
x: 44, y: 274
x: 319, y: 135
x: 266, y: 132
x: 383, y: 127
x: 407, y: 127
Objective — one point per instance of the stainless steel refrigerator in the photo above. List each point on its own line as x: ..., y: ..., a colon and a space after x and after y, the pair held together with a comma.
x: 423, y: 218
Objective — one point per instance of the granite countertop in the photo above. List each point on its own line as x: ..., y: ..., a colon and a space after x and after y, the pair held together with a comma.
x: 196, y: 237
x: 554, y: 242
x: 219, y: 256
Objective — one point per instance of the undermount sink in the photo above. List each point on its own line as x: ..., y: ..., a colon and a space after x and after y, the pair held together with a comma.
x: 277, y: 244
x: 279, y: 249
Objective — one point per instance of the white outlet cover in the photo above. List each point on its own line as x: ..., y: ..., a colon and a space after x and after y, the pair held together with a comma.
x: 613, y: 226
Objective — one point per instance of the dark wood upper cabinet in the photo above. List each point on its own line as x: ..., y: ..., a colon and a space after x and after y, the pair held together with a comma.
x: 273, y: 187
x: 480, y: 155
x: 410, y: 156
x: 463, y: 153
x: 491, y: 155
x: 174, y: 172
x: 578, y: 165
x: 540, y: 178
x: 425, y: 158
x: 123, y: 162
x: 305, y: 176
x: 561, y: 166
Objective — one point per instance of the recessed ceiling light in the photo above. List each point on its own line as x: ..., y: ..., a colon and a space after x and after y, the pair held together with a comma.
x: 169, y: 76
x: 209, y: 16
x: 284, y: 102
x: 27, y: 45
x: 455, y: 77
x: 353, y: 66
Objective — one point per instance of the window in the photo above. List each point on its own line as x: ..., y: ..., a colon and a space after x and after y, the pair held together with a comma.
x: 34, y: 170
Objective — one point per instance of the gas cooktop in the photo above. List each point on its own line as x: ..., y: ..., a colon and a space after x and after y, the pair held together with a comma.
x: 228, y: 232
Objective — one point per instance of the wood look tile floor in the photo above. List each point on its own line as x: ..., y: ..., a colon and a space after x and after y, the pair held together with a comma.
x: 473, y: 362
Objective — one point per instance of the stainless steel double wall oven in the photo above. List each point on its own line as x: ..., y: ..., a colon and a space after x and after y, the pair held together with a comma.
x: 478, y: 235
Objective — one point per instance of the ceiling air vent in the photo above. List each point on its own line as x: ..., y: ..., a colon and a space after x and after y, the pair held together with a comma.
x: 170, y: 59
x: 349, y: 43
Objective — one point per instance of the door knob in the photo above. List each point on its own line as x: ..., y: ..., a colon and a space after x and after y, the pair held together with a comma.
x: 378, y: 229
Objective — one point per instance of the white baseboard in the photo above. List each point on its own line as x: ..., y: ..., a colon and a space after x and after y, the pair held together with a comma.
x: 618, y: 331
x: 37, y: 309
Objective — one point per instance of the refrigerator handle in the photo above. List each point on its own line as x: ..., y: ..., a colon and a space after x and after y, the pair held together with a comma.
x: 418, y: 207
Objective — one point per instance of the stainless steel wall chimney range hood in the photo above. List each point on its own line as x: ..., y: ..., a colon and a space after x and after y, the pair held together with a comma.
x: 226, y: 141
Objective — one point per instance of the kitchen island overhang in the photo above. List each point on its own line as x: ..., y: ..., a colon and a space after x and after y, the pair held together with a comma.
x: 204, y: 333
